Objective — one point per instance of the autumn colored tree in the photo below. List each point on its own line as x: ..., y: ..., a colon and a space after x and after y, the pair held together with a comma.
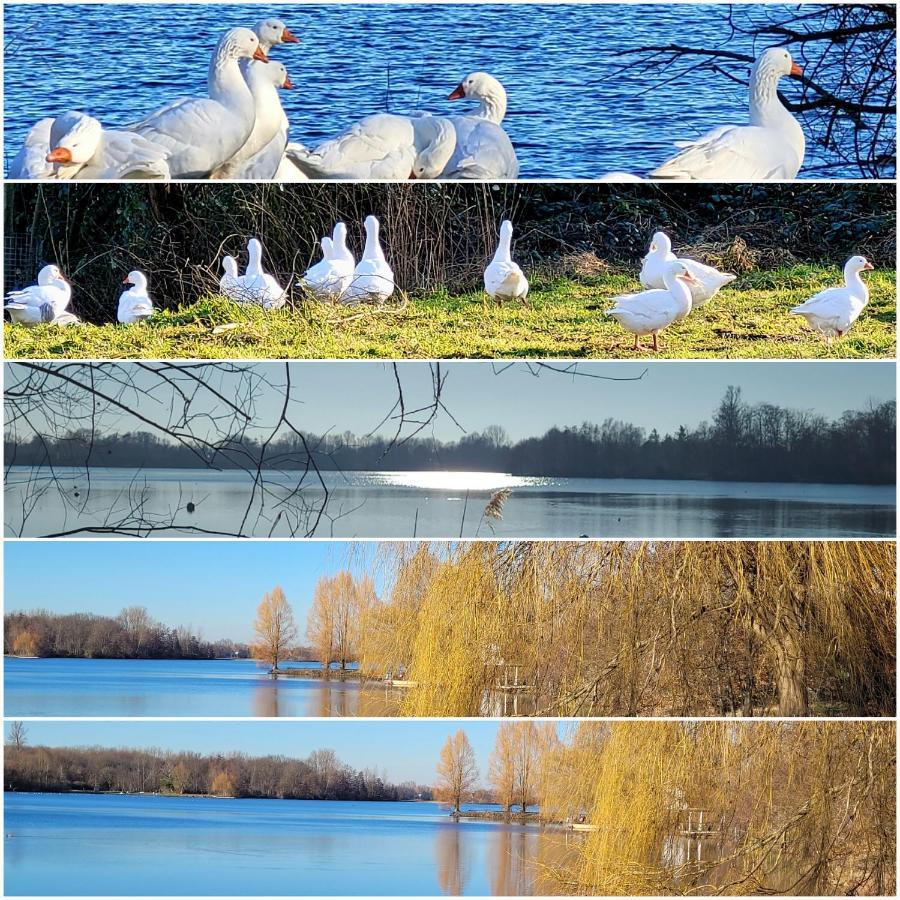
x: 275, y: 628
x: 179, y: 778
x: 502, y: 766
x: 223, y: 784
x: 515, y: 764
x: 334, y: 622
x: 26, y: 644
x: 457, y: 771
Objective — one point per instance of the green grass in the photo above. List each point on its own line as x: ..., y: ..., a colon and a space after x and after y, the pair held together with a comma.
x: 748, y: 319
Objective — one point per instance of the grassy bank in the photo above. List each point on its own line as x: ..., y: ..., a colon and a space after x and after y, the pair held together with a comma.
x: 749, y: 319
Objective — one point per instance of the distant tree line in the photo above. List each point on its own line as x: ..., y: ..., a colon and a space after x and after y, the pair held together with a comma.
x: 133, y: 634
x: 321, y: 776
x: 743, y: 442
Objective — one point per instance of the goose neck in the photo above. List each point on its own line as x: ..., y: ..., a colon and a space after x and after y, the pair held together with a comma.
x: 226, y: 84
x: 492, y: 107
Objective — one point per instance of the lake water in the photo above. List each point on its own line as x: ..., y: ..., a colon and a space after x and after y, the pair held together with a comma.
x: 440, y: 505
x: 575, y: 110
x: 168, y: 687
x: 84, y: 844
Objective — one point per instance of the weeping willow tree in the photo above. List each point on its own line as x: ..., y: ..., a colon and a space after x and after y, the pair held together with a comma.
x: 729, y: 808
x: 617, y: 628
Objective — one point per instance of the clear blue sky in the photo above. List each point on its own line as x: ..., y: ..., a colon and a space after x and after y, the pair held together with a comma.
x: 406, y: 749
x: 213, y: 586
x: 355, y: 396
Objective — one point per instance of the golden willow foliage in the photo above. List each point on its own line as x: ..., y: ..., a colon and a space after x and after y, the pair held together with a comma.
x: 795, y: 808
x: 274, y: 628
x: 618, y: 628
x: 335, y: 617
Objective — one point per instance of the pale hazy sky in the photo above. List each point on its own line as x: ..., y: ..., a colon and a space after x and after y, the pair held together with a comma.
x: 355, y: 396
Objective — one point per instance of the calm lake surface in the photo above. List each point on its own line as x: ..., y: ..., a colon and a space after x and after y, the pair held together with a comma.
x: 85, y: 844
x: 434, y: 505
x: 170, y: 687
x: 575, y: 110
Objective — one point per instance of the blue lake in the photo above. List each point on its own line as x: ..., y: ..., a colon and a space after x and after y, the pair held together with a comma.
x: 164, y: 687
x: 575, y: 110
x: 88, y: 844
x: 439, y: 505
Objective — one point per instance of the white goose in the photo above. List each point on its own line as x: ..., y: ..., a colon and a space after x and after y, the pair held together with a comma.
x: 203, y: 133
x: 135, y: 304
x: 230, y: 282
x: 258, y: 286
x: 649, y: 312
x: 381, y: 147
x: 75, y: 145
x: 265, y: 163
x: 653, y: 270
x: 771, y: 146
x: 331, y: 277
x: 373, y: 278
x: 45, y: 301
x: 503, y: 279
x: 483, y: 149
x: 832, y: 311
x: 264, y: 80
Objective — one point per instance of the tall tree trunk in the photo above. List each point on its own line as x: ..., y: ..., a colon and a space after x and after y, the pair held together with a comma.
x: 790, y: 671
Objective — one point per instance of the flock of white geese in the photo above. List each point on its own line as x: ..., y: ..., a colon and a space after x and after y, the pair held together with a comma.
x: 674, y: 287
x: 240, y: 131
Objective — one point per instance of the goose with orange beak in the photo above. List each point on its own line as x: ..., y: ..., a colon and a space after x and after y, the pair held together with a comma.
x: 833, y: 311
x: 42, y: 303
x: 76, y: 146
x: 202, y: 134
x: 483, y: 150
x: 771, y: 146
x: 649, y: 312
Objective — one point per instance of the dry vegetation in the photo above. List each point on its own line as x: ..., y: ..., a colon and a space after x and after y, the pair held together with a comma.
x: 637, y: 629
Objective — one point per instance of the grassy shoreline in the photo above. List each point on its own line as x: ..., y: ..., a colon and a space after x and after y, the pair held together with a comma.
x: 564, y: 319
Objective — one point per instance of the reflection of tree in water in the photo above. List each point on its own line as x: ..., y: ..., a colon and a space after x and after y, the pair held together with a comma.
x: 266, y: 700
x: 454, y: 859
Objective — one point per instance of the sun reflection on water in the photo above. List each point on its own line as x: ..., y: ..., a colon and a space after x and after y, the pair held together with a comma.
x: 454, y: 481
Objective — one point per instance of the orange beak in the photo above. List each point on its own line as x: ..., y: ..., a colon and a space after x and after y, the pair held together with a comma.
x: 458, y: 94
x: 258, y: 54
x: 60, y: 154
x: 125, y: 280
x: 868, y: 265
x: 288, y: 37
x: 796, y: 71
x: 288, y: 84
x: 412, y: 176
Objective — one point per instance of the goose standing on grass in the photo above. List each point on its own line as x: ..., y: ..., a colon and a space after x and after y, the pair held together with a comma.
x: 45, y: 301
x: 373, y: 278
x: 75, y: 145
x: 135, y: 304
x: 264, y: 80
x: 832, y: 311
x: 483, y: 149
x: 649, y: 312
x: 204, y: 133
x: 503, y: 279
x: 257, y: 285
x: 653, y: 271
x: 771, y: 146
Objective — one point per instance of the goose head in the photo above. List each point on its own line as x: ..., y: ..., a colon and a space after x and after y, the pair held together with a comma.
x: 74, y: 139
x: 48, y: 275
x: 327, y: 246
x: 678, y: 271
x: 239, y: 43
x: 254, y: 252
x: 271, y: 72
x: 273, y: 31
x: 485, y: 88
x: 136, y: 279
x: 775, y: 63
x: 855, y: 265
x: 660, y: 244
x: 230, y: 267
x: 373, y: 244
x: 435, y: 145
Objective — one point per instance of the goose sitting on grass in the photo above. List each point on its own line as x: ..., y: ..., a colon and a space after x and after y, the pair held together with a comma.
x: 43, y: 303
x: 257, y: 285
x: 832, y: 311
x: 135, y: 304
x: 503, y: 279
x: 708, y: 280
x: 330, y: 278
x: 649, y: 312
